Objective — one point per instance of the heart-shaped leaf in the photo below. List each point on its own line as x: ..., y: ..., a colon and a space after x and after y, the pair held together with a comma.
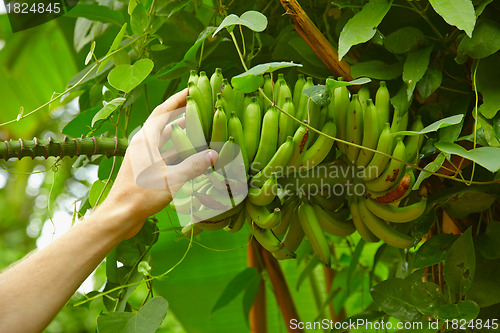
x: 108, y: 109
x: 453, y: 120
x: 252, y: 79
x: 335, y: 84
x: 251, y: 19
x: 127, y: 77
x: 487, y: 157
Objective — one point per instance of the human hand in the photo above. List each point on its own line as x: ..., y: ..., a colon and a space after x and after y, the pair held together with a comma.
x: 147, y: 181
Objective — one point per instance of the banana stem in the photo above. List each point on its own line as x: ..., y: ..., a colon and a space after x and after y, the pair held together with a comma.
x: 329, y: 277
x: 281, y: 290
x: 258, y: 311
x: 60, y: 148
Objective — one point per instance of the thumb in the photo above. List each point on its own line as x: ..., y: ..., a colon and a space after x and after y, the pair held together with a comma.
x: 196, y: 165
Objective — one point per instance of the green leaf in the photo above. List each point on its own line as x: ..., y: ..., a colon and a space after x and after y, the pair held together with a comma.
x: 430, y: 82
x: 433, y: 166
x: 367, y: 316
x: 139, y: 20
x: 445, y: 122
x: 415, y: 66
x: 332, y: 83
x: 427, y: 297
x: 467, y: 202
x: 459, y: 13
x: 114, y: 46
x: 319, y: 94
x: 487, y: 157
x: 433, y: 251
x: 485, y: 289
x: 354, y: 262
x: 146, y: 320
x: 88, y: 58
x: 251, y: 293
x: 463, y: 310
x: 401, y: 102
x: 127, y: 77
x: 489, y: 132
x: 239, y: 283
x: 393, y: 296
x: 107, y: 110
x: 252, y: 79
x: 361, y: 27
x: 377, y: 69
x: 460, y: 264
x: 96, y: 12
x: 251, y: 19
x: 96, y: 190
x: 488, y: 84
x: 308, y: 270
x: 404, y: 40
x: 169, y: 8
x: 484, y: 42
x: 487, y: 244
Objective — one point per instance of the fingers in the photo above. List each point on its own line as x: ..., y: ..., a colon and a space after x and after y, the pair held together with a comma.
x: 166, y: 112
x: 174, y: 102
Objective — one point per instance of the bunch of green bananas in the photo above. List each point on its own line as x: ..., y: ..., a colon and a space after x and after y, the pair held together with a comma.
x: 252, y: 135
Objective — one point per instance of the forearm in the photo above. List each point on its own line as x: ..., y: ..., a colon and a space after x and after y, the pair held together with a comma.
x: 35, y: 289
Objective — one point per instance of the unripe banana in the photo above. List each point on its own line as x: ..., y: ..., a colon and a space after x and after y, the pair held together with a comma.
x: 314, y: 233
x: 319, y: 150
x: 394, y: 172
x: 277, y: 165
x: 363, y: 96
x: 251, y: 128
x: 235, y: 129
x: 383, y: 230
x: 219, y: 130
x: 354, y: 127
x: 284, y: 92
x: 194, y: 129
x: 269, y: 140
x: 206, y: 215
x: 301, y: 109
x: 399, y: 122
x: 268, y: 91
x: 371, y: 133
x: 332, y: 224
x: 185, y: 205
x: 181, y: 142
x: 382, y: 103
x: 379, y: 162
x: 300, y: 139
x: 236, y: 222
x: 216, y: 82
x: 238, y: 101
x: 414, y: 143
x: 286, y: 124
x: 397, y: 193
x: 227, y: 154
x: 261, y: 216
x: 206, y: 117
x: 190, y: 230
x: 265, y: 237
x: 314, y: 116
x: 297, y: 89
x: 265, y: 195
x: 341, y: 103
x: 397, y: 214
x: 212, y: 226
x: 288, y: 210
x: 362, y: 229
x: 294, y: 234
x: 331, y: 203
x: 206, y: 91
x: 228, y: 95
x: 193, y: 76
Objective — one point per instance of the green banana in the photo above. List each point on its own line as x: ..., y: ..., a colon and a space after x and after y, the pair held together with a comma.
x: 228, y: 95
x: 354, y: 127
x: 286, y: 124
x: 190, y: 230
x: 216, y: 83
x: 395, y: 214
x: 288, y: 209
x: 371, y: 133
x: 193, y: 76
x: 414, y: 143
x: 227, y: 154
x: 181, y: 142
x: 251, y: 127
x: 206, y: 91
x: 396, y: 193
x: 301, y: 108
x: 361, y: 227
x: 299, y: 147
x: 185, y: 205
x: 277, y: 165
x: 207, y: 215
x: 332, y: 224
x: 363, y: 96
x: 399, y: 123
x: 284, y: 92
x: 265, y: 195
x: 294, y: 233
x: 383, y: 230
x: 331, y: 203
x: 382, y: 103
x: 393, y: 174
x: 268, y: 91
x: 379, y: 162
x: 297, y: 89
x: 235, y: 129
x: 236, y: 222
x: 341, y: 103
x: 197, y: 96
x: 238, y: 102
x: 269, y: 140
x: 194, y: 128
x: 219, y: 130
x: 319, y: 150
x: 261, y: 216
x: 265, y: 237
x: 314, y: 233
x: 314, y: 116
x: 212, y: 226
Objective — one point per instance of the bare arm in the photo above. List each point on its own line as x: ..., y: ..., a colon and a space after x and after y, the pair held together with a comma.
x: 34, y: 290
